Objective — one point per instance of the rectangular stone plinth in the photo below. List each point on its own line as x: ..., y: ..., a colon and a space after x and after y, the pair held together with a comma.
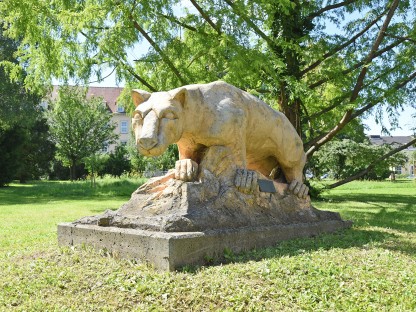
x: 169, y: 251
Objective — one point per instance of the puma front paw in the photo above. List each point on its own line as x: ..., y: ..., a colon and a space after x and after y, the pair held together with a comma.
x: 186, y: 170
x: 299, y: 189
x: 246, y: 180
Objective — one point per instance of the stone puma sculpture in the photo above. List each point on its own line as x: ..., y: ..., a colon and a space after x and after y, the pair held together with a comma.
x: 203, y: 116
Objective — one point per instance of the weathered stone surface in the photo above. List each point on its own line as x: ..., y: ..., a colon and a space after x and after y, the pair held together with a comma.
x: 218, y: 116
x: 169, y: 205
x: 170, y: 251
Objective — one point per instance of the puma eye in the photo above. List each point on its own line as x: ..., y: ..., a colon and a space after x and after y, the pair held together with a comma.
x: 169, y: 115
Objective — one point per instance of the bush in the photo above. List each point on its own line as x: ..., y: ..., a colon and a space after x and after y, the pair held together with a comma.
x: 344, y: 158
x: 116, y: 163
x: 163, y: 162
x: 11, y: 145
x: 61, y: 172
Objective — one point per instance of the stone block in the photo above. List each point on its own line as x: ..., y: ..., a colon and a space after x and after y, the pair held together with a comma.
x: 173, y: 250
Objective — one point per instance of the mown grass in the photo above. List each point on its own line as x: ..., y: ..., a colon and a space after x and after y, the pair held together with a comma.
x: 371, y: 267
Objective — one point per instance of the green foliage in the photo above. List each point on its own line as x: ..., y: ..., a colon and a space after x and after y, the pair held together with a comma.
x: 367, y: 268
x: 37, y: 153
x: 116, y: 163
x: 17, y: 106
x: 142, y: 164
x: 26, y: 149
x: 343, y: 158
x: 94, y: 164
x: 60, y: 172
x: 324, y: 65
x: 24, y: 138
x: 11, y: 147
x: 80, y: 127
x: 281, y: 51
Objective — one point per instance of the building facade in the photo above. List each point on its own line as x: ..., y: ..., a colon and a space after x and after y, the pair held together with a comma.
x: 119, y: 117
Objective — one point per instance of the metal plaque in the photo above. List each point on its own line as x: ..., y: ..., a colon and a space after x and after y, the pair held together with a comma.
x: 266, y: 186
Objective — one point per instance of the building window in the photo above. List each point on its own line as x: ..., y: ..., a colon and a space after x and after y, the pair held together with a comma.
x: 105, y: 148
x: 124, y: 127
x: 44, y: 105
x: 120, y: 109
x: 123, y: 143
x: 398, y: 170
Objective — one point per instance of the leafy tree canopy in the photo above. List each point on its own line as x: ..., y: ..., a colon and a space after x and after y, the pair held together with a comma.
x: 344, y: 158
x: 282, y: 51
x: 24, y: 144
x: 79, y: 126
x: 17, y: 106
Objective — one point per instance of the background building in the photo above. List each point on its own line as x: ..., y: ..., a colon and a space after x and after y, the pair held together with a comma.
x: 116, y: 109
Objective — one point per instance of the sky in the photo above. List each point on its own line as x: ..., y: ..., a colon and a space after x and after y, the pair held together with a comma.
x: 406, y: 123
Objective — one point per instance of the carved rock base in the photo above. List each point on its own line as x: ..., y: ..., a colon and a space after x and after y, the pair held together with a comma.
x: 171, y: 223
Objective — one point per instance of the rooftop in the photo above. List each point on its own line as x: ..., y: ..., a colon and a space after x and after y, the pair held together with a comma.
x: 391, y: 140
x: 109, y: 94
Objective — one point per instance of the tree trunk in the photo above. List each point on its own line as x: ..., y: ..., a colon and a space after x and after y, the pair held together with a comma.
x: 291, y: 110
x: 289, y: 28
x: 72, y: 170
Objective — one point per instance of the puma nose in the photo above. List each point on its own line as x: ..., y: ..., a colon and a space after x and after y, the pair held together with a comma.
x: 147, y: 143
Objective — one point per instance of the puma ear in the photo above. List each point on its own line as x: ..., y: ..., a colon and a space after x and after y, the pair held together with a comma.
x: 139, y: 96
x: 180, y: 95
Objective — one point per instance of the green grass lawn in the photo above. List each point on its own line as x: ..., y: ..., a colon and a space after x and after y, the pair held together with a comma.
x: 371, y: 267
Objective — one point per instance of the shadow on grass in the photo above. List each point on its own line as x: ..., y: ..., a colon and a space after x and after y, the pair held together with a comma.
x: 45, y: 191
x: 344, y: 239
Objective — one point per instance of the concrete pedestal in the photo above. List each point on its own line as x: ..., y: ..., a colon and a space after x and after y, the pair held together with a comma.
x: 170, y: 251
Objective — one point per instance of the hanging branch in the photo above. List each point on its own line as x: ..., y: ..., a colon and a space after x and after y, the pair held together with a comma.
x: 374, y: 48
x: 206, y: 17
x: 372, y: 165
x: 351, y: 115
x: 358, y: 86
x: 401, y: 38
x: 159, y: 50
x: 99, y: 80
x: 124, y: 65
x: 330, y: 7
x: 342, y: 46
x: 397, y: 87
x: 250, y: 23
x: 338, y: 100
x: 176, y: 21
x: 358, y: 65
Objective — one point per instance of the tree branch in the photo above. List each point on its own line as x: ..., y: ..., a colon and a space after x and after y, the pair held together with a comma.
x: 330, y: 7
x: 351, y: 114
x: 158, y: 50
x: 401, y: 38
x: 338, y: 100
x: 250, y: 23
x: 206, y: 17
x: 99, y: 80
x: 374, y: 48
x: 397, y: 87
x: 372, y: 165
x: 174, y: 20
x: 342, y: 46
x: 358, y: 65
x: 124, y: 65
